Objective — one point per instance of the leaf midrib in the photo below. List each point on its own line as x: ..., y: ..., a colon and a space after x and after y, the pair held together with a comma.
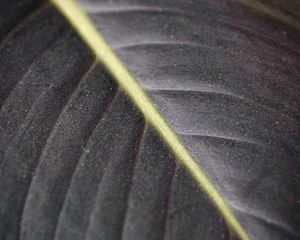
x: 93, y: 38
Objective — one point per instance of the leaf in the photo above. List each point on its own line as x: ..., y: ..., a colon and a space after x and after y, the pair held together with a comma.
x: 75, y: 153
x: 77, y: 156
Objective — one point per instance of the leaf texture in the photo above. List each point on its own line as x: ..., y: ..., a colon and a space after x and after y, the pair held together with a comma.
x: 226, y: 77
x: 78, y: 160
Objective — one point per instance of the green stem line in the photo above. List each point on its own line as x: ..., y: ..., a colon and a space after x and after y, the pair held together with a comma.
x: 94, y: 39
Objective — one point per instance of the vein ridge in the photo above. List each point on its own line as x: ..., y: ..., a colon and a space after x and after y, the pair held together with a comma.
x: 84, y: 153
x: 52, y: 133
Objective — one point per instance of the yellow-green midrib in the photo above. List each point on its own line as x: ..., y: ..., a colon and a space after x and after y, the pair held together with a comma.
x: 94, y: 39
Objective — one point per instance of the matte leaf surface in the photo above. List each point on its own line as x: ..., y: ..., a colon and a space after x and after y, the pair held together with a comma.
x: 227, y: 80
x: 79, y: 161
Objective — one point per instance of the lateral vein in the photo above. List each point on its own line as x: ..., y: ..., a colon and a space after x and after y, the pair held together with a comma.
x: 272, y: 11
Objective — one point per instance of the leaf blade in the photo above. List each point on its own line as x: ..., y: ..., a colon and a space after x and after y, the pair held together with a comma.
x: 105, y: 54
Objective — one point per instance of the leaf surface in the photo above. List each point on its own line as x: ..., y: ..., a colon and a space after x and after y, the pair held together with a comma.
x: 226, y: 78
x: 79, y: 161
